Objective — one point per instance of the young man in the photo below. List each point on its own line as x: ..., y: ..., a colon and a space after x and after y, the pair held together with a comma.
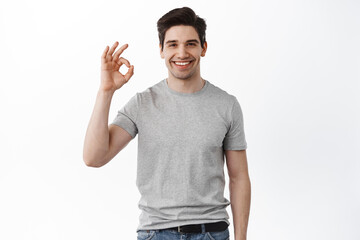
x: 185, y: 125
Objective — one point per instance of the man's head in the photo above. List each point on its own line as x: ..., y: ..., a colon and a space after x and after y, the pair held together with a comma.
x: 181, y: 16
x: 182, y: 43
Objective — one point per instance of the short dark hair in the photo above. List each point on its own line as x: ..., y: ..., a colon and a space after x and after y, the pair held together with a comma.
x: 181, y: 16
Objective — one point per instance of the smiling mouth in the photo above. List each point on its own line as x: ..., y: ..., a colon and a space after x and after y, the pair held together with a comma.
x: 182, y: 63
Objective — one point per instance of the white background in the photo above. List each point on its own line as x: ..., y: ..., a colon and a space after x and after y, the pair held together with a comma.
x: 293, y: 66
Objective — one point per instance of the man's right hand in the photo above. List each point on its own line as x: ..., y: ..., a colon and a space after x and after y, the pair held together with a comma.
x: 111, y: 77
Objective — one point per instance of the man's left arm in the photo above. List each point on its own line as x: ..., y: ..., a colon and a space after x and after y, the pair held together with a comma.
x: 240, y: 190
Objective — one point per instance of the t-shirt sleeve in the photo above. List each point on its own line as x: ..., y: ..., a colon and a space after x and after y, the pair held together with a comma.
x: 127, y: 115
x: 235, y: 136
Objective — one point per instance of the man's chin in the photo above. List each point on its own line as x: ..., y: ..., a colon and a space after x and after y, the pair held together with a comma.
x: 185, y: 76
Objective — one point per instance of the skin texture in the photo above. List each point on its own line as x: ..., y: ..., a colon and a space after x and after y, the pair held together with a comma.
x: 240, y: 191
x: 182, y: 44
x: 111, y: 78
x: 103, y: 142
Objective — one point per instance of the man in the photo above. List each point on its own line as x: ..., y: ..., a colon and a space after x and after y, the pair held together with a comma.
x: 185, y: 125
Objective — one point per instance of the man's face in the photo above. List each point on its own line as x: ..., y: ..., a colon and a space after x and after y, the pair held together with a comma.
x: 182, y: 52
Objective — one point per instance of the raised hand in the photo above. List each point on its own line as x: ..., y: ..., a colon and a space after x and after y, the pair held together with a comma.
x: 111, y: 77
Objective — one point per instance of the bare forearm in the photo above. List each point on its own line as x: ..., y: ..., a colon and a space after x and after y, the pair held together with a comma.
x: 96, y: 143
x: 240, y: 197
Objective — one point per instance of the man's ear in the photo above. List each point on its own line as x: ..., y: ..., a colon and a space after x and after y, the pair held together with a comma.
x: 161, y: 52
x: 204, y: 49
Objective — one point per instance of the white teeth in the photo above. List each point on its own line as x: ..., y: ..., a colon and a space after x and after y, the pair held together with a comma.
x: 182, y: 63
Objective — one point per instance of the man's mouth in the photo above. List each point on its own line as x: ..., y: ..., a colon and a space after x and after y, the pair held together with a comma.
x: 182, y: 63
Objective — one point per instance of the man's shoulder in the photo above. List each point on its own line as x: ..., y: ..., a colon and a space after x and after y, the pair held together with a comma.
x: 149, y: 93
x: 213, y: 92
x: 220, y: 94
x: 155, y: 88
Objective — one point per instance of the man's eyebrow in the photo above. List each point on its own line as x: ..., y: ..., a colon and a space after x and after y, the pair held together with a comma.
x: 171, y: 41
x: 193, y: 40
x: 175, y: 41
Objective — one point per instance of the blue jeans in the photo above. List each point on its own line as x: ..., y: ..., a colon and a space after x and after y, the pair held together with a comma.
x: 174, y: 235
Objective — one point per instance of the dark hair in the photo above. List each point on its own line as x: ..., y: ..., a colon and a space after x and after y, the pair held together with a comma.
x: 181, y: 16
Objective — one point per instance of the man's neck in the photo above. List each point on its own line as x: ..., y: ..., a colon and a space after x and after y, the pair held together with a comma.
x: 185, y: 85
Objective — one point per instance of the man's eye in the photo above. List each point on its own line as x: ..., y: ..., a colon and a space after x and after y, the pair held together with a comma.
x: 191, y: 44
x: 172, y: 45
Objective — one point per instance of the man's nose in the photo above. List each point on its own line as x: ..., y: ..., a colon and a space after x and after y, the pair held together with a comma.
x: 182, y: 53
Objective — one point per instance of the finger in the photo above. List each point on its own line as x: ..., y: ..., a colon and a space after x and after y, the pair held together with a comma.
x: 122, y: 61
x: 112, y: 49
x: 120, y: 50
x: 103, y: 56
x: 129, y: 74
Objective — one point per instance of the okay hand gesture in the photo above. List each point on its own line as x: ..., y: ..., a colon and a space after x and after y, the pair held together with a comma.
x: 111, y: 78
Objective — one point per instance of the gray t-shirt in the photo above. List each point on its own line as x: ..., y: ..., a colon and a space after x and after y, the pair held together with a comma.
x: 181, y: 143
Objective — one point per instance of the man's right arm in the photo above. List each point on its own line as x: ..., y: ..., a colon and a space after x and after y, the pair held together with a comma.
x: 103, y: 142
